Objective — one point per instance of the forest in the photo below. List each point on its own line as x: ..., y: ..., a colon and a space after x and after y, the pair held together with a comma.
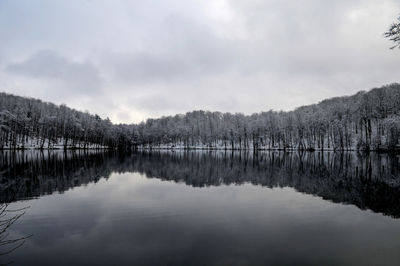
x: 364, y: 121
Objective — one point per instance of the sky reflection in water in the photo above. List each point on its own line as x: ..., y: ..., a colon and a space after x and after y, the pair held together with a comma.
x: 135, y: 216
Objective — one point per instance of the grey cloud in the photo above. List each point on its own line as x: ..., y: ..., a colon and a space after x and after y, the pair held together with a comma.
x: 160, y: 105
x: 184, y: 50
x: 80, y: 77
x: 143, y: 68
x: 312, y: 37
x: 306, y: 39
x: 163, y: 57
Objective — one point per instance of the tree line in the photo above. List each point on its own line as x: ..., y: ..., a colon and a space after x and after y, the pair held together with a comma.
x: 32, y: 122
x: 364, y: 121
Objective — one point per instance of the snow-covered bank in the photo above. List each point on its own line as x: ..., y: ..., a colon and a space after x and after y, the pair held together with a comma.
x: 250, y: 146
x: 29, y: 143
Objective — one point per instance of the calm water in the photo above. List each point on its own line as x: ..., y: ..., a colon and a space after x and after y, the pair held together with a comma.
x: 202, y: 208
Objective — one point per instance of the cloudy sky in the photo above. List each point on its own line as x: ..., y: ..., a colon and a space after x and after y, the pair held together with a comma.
x: 131, y: 60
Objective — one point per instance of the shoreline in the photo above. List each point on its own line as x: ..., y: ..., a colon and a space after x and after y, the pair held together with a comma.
x: 266, y: 149
x: 196, y: 149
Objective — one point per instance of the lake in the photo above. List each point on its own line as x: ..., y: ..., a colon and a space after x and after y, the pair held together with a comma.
x: 200, y: 208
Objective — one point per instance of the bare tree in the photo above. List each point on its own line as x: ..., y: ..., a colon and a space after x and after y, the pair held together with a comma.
x: 7, y: 218
x: 394, y: 34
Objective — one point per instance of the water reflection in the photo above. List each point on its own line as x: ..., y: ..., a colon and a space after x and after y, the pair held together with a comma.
x: 201, y: 208
x: 32, y: 174
x: 369, y: 181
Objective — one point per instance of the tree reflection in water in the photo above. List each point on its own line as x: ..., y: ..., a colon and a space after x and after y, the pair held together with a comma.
x: 369, y: 181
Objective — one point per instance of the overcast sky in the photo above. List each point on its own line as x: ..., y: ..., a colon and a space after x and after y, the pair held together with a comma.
x: 131, y: 60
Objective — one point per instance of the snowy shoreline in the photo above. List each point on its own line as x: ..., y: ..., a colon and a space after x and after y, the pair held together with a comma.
x: 260, y: 150
x: 195, y: 149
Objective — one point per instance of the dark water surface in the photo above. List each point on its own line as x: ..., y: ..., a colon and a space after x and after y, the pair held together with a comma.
x: 202, y: 208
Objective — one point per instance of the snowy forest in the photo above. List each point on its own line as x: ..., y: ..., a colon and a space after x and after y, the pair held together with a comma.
x: 364, y: 121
